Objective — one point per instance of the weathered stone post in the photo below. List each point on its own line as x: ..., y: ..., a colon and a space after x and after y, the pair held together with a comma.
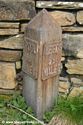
x: 41, y: 62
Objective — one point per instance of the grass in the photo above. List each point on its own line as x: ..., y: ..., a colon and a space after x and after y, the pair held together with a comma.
x: 10, y: 114
x: 70, y: 109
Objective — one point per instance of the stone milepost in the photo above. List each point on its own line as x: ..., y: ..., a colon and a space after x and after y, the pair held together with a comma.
x: 41, y: 62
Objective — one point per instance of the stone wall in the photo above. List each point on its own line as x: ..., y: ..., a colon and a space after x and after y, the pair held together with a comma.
x: 14, y: 16
x: 70, y: 16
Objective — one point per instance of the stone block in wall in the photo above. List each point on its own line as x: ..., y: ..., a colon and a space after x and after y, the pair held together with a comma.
x: 80, y: 53
x: 9, y: 31
x: 62, y: 59
x: 76, y: 91
x: 13, y: 10
x: 9, y: 25
x: 17, y: 0
x: 15, y: 42
x: 23, y: 26
x: 59, y: 5
x: 63, y: 85
x: 18, y: 65
x: 10, y: 55
x: 61, y: 66
x: 7, y: 75
x: 7, y: 91
x: 80, y: 17
x: 78, y: 82
x: 63, y: 18
x: 75, y: 66
x: 72, y: 29
x: 73, y: 45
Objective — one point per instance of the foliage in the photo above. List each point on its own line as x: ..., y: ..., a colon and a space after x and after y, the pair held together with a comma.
x: 10, y: 114
x: 70, y: 109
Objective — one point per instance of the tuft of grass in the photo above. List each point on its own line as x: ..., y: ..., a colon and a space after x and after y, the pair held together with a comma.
x: 70, y: 109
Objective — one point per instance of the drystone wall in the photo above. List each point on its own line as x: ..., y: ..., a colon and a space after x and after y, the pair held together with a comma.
x: 70, y: 16
x: 15, y: 15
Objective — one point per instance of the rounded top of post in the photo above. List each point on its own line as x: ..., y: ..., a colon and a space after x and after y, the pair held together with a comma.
x: 44, y: 25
